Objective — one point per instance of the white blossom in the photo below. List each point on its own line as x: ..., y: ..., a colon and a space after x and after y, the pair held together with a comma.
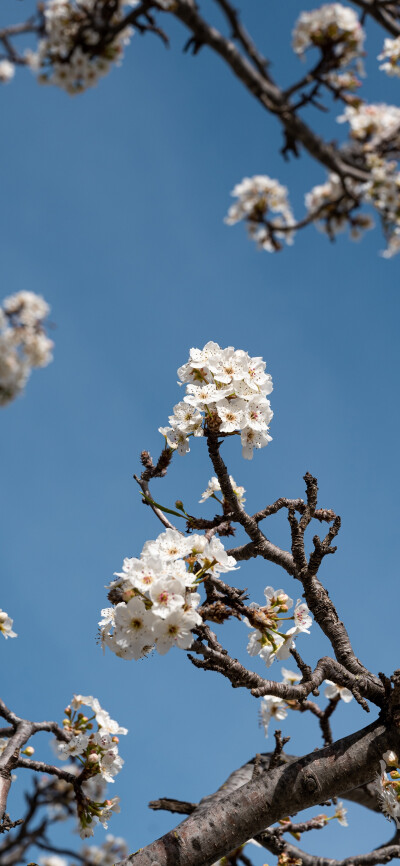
x: 112, y: 850
x: 258, y: 198
x: 332, y: 27
x: 176, y: 630
x: 391, y: 55
x: 53, y: 860
x: 215, y: 487
x: 7, y: 71
x: 340, y: 814
x: 372, y: 123
x: 6, y: 624
x: 77, y: 745
x: 289, y: 677
x: 23, y: 342
x: 74, y: 67
x: 333, y: 690
x: 272, y: 707
x: 302, y: 618
x: 107, y: 725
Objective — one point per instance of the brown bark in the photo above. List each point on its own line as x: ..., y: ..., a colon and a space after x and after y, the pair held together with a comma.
x: 269, y: 796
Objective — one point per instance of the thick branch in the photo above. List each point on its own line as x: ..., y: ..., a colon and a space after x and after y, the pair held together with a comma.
x: 202, y: 838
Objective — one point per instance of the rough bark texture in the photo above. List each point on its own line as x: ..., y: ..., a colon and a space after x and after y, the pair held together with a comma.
x: 268, y: 796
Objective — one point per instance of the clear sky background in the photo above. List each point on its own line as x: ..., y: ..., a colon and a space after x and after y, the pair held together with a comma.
x: 112, y: 208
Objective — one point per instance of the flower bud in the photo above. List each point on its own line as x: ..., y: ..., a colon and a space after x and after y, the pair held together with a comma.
x: 93, y: 758
x: 29, y: 751
x: 391, y: 759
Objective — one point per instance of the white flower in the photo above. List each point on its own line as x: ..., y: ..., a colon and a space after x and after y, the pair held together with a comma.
x: 23, y: 343
x: 251, y: 439
x: 167, y: 595
x: 53, y: 860
x: 110, y: 764
x: 7, y: 71
x: 340, y: 814
x: 389, y: 803
x: 332, y: 26
x: 107, y: 725
x: 6, y: 625
x: 214, y: 487
x: 258, y: 197
x: 333, y: 690
x: 133, y: 629
x: 176, y: 439
x: 175, y: 630
x: 110, y: 807
x: 77, y: 745
x: 289, y: 677
x: 272, y: 707
x: 302, y: 618
x: 391, y: 759
x: 71, y: 66
x: 215, y: 558
x: 277, y: 597
x: 391, y: 53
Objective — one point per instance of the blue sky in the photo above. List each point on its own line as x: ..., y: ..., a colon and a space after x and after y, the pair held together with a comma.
x: 113, y: 206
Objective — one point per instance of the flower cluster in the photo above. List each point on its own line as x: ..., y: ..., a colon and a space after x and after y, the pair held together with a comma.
x: 214, y: 487
x: 383, y: 192
x: 258, y: 198
x: 7, y: 71
x: 391, y: 56
x: 158, y: 592
x: 226, y: 391
x: 267, y: 641
x: 333, y: 691
x: 332, y: 207
x: 333, y: 28
x: 6, y: 624
x: 373, y: 124
x: 97, y: 751
x: 74, y: 53
x: 389, y: 787
x: 113, y: 849
x: 23, y: 342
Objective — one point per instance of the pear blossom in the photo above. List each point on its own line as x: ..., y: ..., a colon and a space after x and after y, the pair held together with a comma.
x: 340, y: 814
x: 112, y: 850
x: 258, y: 198
x: 391, y: 55
x: 105, y: 723
x: 272, y: 707
x: 77, y: 745
x: 333, y: 690
x: 6, y: 624
x: 23, y: 342
x: 7, y: 71
x: 158, y: 596
x: 302, y: 618
x: 175, y: 630
x: 372, y: 123
x: 268, y: 641
x: 215, y: 487
x: 289, y: 677
x: 334, y: 27
x: 72, y: 54
x: 53, y: 860
x: 230, y: 388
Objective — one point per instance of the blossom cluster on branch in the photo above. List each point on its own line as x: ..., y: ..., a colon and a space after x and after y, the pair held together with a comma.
x: 23, y: 342
x: 226, y: 392
x: 78, y: 42
x: 78, y: 45
x: 159, y: 595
